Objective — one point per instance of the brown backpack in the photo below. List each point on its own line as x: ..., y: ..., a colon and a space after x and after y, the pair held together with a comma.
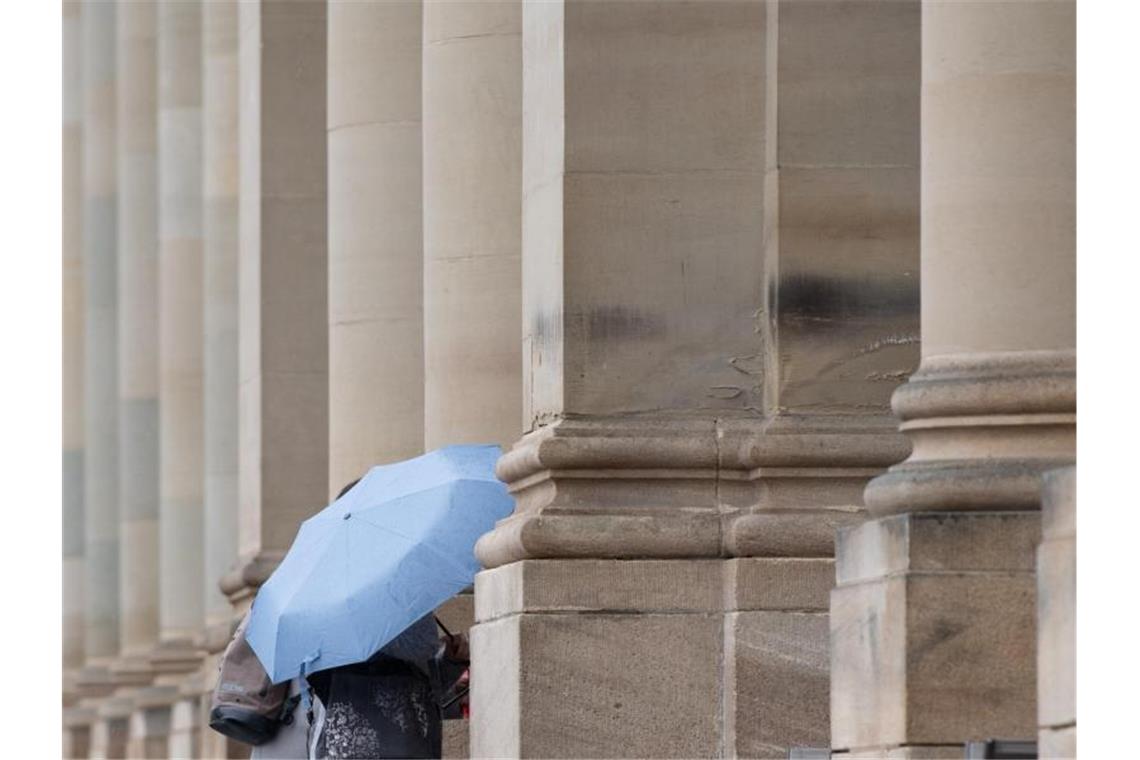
x: 246, y: 705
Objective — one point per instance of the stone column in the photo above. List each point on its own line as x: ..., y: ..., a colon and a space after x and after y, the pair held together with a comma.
x: 180, y: 368
x: 220, y: 361
x: 138, y: 336
x: 282, y: 283
x: 688, y: 349
x: 375, y: 246
x: 1057, y: 617
x: 73, y: 321
x: 933, y: 621
x: 472, y: 107
x: 101, y: 366
x: 76, y: 720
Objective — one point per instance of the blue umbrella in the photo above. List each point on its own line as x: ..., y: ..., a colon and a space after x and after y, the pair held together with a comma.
x: 370, y: 564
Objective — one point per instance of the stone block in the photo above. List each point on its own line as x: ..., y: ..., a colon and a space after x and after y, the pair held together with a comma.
x: 933, y: 631
x: 1056, y: 632
x: 597, y: 685
x: 456, y: 742
x: 598, y: 586
x: 775, y: 683
x: 937, y: 542
x: 1059, y: 504
x: 149, y: 733
x: 778, y: 583
x: 1057, y: 743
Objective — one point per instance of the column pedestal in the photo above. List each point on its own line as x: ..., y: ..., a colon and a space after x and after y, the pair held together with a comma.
x: 149, y: 728
x: 932, y: 632
x: 109, y: 732
x: 77, y: 723
x: 596, y: 658
x: 650, y: 658
x: 1057, y: 618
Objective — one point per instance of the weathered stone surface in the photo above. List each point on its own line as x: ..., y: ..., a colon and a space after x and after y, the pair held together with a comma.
x: 775, y: 682
x: 1057, y: 615
x: 932, y: 651
x: 598, y: 586
x: 778, y: 583
x: 928, y: 542
x: 597, y: 685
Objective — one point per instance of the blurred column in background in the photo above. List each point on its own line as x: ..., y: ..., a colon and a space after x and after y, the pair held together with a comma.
x: 472, y: 116
x: 138, y: 374
x: 77, y: 727
x: 220, y: 361
x: 101, y: 388
x: 283, y: 428
x: 375, y: 248
x: 933, y: 621
x: 180, y: 288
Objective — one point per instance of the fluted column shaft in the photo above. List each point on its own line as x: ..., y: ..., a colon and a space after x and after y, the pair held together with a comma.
x: 101, y: 389
x: 282, y: 282
x: 220, y: 240
x: 138, y: 326
x: 73, y: 334
x: 472, y: 160
x: 181, y: 321
x: 376, y: 368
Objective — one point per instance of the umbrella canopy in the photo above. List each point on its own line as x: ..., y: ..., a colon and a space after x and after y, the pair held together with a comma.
x: 364, y: 568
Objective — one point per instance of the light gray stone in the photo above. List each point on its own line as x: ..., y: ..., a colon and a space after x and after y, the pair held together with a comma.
x: 933, y: 651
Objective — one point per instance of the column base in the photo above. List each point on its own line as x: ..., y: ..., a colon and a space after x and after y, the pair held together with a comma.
x: 149, y: 735
x: 933, y: 632
x: 110, y: 730
x: 77, y: 724
x: 650, y: 658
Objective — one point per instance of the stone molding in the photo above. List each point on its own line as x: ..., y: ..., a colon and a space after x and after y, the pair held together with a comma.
x: 246, y: 577
x: 984, y: 428
x: 176, y: 656
x: 687, y: 486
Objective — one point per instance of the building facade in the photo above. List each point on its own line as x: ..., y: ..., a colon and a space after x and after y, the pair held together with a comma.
x: 771, y: 304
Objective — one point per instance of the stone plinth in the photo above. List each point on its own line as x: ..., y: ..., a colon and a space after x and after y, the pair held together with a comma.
x: 775, y: 683
x: 77, y: 726
x: 583, y: 658
x: 1057, y: 617
x: 587, y: 658
x: 932, y: 631
x: 110, y: 729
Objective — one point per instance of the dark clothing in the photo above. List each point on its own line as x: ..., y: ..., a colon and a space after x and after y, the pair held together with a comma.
x: 382, y: 708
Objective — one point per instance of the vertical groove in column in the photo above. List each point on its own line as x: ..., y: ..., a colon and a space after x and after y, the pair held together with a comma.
x: 73, y: 313
x: 376, y: 372
x: 472, y: 159
x: 101, y: 440
x: 138, y: 325
x: 181, y: 322
x: 220, y: 235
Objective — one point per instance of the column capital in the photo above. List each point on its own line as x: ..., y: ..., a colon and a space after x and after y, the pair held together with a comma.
x: 984, y: 428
